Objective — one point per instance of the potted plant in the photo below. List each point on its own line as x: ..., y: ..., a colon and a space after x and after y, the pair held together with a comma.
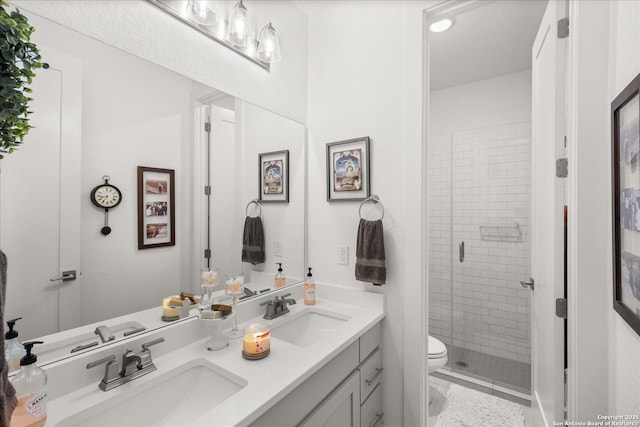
x: 19, y: 58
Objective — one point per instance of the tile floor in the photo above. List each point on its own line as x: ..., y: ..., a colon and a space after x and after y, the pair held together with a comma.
x: 494, y: 369
x: 439, y: 385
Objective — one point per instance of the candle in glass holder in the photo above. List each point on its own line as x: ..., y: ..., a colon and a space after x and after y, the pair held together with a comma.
x: 257, y: 340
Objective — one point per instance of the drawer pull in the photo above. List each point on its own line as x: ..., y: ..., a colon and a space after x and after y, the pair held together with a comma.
x: 377, y: 374
x: 379, y: 416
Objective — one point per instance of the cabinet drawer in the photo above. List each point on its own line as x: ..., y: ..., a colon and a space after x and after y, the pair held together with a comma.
x: 371, y: 411
x: 370, y: 341
x: 370, y: 374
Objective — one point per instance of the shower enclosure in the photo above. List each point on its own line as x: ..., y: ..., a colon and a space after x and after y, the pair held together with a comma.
x: 479, y: 189
x: 479, y: 198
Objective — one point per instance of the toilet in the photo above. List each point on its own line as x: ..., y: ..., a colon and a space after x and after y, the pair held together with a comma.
x: 437, y: 359
x: 437, y: 354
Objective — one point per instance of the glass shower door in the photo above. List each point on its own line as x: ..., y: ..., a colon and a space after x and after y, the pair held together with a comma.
x: 479, y: 222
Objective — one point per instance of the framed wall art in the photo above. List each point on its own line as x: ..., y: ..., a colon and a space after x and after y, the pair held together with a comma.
x: 348, y: 176
x: 156, y: 207
x: 274, y: 176
x: 625, y: 147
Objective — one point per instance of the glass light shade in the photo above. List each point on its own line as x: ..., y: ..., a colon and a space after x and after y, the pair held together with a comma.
x: 239, y: 26
x: 202, y: 12
x: 268, y: 45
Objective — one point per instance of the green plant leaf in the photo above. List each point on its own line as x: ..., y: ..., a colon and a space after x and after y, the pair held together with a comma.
x: 19, y: 58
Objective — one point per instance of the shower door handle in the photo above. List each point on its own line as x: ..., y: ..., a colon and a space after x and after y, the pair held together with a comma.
x: 530, y: 284
x: 461, y: 251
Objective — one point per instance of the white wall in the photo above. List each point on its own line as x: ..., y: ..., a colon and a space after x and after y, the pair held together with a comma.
x: 366, y: 82
x: 127, y: 121
x: 138, y: 27
x: 624, y: 343
x: 501, y: 100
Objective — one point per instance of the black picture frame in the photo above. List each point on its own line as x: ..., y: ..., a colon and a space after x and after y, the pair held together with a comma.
x: 273, y: 176
x: 156, y: 207
x: 348, y: 170
x: 625, y: 167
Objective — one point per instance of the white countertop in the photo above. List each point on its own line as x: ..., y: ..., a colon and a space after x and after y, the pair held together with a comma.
x: 268, y: 380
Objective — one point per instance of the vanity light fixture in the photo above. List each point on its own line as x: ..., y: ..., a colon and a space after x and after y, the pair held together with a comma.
x: 441, y: 25
x: 239, y: 26
x: 268, y: 45
x: 236, y: 33
x: 202, y: 12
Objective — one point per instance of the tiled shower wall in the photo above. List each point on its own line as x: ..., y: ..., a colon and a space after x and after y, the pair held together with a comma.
x: 480, y: 180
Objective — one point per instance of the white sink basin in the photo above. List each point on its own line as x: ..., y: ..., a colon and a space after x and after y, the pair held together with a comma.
x: 308, y: 327
x: 171, y: 399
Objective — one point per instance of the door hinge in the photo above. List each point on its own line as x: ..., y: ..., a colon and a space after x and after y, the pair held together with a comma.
x: 563, y: 28
x: 561, y: 308
x: 207, y: 253
x: 562, y: 167
x: 207, y: 190
x: 207, y: 127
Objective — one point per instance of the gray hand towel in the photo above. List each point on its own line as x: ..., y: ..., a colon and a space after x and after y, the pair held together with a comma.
x: 8, y: 399
x: 370, y: 257
x: 253, y: 241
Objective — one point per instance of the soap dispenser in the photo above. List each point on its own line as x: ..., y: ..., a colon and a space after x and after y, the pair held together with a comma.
x: 31, y: 390
x: 280, y: 278
x: 13, y: 350
x: 309, y: 290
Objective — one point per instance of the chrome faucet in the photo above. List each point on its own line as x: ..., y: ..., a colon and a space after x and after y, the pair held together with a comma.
x: 277, y: 307
x: 128, y: 359
x: 104, y: 333
x: 113, y: 377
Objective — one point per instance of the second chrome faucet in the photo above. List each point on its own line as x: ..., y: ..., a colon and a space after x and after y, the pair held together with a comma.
x: 277, y: 306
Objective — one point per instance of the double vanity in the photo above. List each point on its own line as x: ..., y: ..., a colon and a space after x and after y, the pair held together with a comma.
x: 324, y: 367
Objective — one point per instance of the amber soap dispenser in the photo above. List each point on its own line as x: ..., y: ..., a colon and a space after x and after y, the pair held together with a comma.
x: 281, y: 280
x: 309, y: 290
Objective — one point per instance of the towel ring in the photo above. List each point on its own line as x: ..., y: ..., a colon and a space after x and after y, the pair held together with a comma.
x: 375, y: 199
x: 257, y: 203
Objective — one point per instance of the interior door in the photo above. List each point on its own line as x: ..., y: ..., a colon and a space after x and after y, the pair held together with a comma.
x: 547, y: 245
x: 225, y: 240
x: 39, y: 223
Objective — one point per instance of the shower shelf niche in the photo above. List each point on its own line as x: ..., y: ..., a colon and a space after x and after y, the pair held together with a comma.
x: 508, y: 231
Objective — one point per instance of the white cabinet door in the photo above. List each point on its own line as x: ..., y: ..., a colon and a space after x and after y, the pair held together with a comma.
x: 341, y: 408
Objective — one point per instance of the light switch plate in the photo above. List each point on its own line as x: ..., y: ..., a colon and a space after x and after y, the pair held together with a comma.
x: 277, y: 247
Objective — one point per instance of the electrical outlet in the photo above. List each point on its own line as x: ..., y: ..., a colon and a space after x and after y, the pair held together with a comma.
x: 277, y: 247
x: 343, y: 255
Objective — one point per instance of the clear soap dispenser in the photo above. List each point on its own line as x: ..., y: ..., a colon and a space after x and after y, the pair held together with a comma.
x: 31, y: 389
x: 13, y: 350
x: 309, y: 290
x: 281, y: 280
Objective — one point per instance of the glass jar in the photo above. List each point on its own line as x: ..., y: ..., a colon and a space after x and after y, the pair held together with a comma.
x: 256, y: 341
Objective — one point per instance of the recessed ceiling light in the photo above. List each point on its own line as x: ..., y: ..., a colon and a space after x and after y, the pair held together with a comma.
x: 441, y: 25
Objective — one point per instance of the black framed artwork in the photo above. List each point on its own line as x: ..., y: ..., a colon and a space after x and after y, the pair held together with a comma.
x: 274, y: 176
x: 625, y: 147
x: 348, y: 171
x: 156, y: 207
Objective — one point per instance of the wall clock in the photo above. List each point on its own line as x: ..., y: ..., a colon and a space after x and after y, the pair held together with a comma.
x: 106, y: 196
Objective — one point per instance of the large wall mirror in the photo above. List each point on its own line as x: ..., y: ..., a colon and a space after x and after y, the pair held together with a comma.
x: 99, y: 111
